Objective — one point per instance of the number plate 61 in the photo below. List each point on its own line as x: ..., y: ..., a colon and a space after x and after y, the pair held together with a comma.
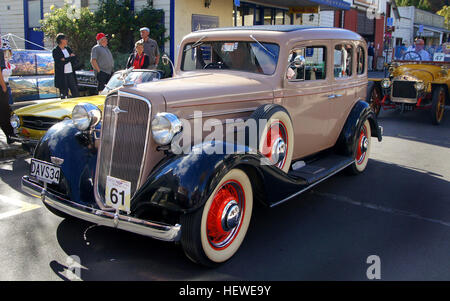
x: 117, y: 194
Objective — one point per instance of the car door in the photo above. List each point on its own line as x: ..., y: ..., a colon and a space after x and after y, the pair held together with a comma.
x: 346, y: 79
x: 306, y: 96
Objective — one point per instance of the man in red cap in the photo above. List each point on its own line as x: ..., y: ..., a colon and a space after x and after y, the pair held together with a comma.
x: 102, y: 61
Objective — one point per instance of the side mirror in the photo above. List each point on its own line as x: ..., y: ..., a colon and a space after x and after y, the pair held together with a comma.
x: 299, y: 61
x: 165, y: 60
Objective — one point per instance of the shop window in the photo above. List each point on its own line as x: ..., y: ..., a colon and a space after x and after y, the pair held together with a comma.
x: 268, y: 20
x: 248, y: 14
x: 361, y: 58
x: 343, y: 60
x: 279, y: 17
x: 307, y: 64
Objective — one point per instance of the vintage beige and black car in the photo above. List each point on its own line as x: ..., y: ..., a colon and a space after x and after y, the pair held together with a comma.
x: 303, y: 87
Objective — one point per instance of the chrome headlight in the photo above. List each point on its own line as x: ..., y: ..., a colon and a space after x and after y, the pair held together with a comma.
x: 419, y: 85
x: 15, y: 121
x: 164, y: 127
x: 385, y: 83
x: 85, y: 116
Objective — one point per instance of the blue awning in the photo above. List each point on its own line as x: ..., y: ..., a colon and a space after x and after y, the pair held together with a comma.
x: 324, y: 4
x: 332, y: 4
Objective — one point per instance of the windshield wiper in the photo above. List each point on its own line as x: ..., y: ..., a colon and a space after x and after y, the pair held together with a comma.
x: 262, y: 46
x: 196, y: 44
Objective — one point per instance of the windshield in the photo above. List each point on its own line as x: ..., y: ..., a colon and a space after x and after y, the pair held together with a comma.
x: 421, y: 51
x: 135, y: 77
x: 232, y: 55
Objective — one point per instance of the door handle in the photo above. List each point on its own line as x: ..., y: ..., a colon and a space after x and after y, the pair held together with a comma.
x: 332, y: 96
x: 337, y: 95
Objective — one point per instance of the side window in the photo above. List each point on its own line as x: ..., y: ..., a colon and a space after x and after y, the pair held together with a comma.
x: 343, y: 60
x: 361, y: 59
x: 307, y: 64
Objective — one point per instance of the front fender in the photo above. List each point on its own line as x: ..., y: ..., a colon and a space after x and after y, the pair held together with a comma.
x: 65, y: 141
x: 358, y: 115
x: 183, y: 183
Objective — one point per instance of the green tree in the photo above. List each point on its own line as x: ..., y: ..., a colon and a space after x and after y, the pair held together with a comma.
x: 77, y: 24
x: 113, y: 17
x: 122, y: 23
x: 420, y: 4
x: 445, y: 12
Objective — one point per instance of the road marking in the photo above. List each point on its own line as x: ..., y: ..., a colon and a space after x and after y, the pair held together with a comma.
x: 24, y: 207
x: 347, y: 200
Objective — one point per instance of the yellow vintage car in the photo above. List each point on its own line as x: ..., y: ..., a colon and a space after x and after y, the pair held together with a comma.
x: 30, y: 123
x: 413, y: 84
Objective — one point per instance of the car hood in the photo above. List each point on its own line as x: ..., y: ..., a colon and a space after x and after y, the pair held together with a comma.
x: 59, y: 109
x: 426, y: 73
x: 206, y: 91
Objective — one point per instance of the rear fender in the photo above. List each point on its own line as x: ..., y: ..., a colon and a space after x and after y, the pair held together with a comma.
x: 360, y: 112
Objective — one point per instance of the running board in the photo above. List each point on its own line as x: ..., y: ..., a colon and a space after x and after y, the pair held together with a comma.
x: 317, y: 171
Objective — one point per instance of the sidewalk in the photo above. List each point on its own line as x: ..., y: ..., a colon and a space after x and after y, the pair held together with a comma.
x: 10, y: 151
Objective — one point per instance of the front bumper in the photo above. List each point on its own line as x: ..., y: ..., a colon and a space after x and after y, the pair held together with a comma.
x: 23, y: 140
x: 112, y: 219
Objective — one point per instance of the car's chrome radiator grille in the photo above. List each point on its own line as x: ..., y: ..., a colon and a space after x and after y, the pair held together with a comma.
x: 123, y: 142
x: 403, y: 89
x: 38, y: 123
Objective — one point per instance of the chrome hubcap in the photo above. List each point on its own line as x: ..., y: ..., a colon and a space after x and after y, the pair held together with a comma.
x: 230, y: 216
x: 364, y: 144
x: 279, y: 150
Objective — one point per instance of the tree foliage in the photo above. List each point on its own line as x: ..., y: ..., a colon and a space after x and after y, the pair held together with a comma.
x: 445, y: 12
x: 420, y: 4
x: 429, y: 5
x: 76, y: 24
x: 115, y: 18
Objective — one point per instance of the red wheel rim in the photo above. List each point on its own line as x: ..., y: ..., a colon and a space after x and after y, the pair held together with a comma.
x: 275, y: 145
x: 363, y: 142
x: 440, y: 106
x: 376, y: 101
x: 230, y: 196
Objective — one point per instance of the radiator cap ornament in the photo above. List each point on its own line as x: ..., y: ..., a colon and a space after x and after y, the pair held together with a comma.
x: 117, y: 110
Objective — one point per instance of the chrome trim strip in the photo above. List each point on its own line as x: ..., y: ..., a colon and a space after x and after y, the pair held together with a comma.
x: 218, y: 113
x: 312, y: 185
x: 110, y: 219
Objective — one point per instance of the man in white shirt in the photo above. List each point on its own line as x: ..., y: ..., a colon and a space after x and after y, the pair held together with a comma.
x: 417, y: 52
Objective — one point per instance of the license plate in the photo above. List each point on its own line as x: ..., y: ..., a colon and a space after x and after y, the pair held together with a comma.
x: 117, y: 193
x: 45, y: 171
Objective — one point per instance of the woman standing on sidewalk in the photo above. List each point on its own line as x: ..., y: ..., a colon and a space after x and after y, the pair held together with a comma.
x: 5, y: 110
x: 65, y: 59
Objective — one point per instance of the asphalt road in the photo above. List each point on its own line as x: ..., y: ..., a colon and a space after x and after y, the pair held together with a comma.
x: 399, y: 210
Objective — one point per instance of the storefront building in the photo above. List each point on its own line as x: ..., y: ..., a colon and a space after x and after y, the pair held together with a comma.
x: 184, y: 16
